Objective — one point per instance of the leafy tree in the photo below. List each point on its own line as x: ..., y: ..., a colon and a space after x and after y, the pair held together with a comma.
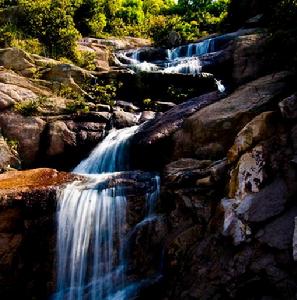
x: 50, y: 22
x: 131, y: 12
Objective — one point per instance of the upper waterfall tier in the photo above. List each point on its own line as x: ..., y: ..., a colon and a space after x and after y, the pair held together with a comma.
x: 184, y: 59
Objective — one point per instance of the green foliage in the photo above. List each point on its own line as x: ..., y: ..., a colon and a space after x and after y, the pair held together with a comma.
x: 78, y: 105
x: 51, y: 24
x: 147, y: 103
x: 69, y: 93
x: 52, y: 27
x: 30, y: 45
x: 131, y: 12
x: 86, y: 60
x: 180, y: 94
x: 104, y: 93
x: 12, y: 144
x: 29, y: 107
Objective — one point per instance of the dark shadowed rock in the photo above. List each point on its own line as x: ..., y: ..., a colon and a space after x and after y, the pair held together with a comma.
x: 249, y: 57
x: 279, y: 233
x: 153, y: 139
x: 288, y: 107
x: 147, y: 115
x: 269, y: 202
x: 211, y: 131
x: 127, y: 106
x: 295, y: 241
x: 166, y: 124
x: 164, y: 106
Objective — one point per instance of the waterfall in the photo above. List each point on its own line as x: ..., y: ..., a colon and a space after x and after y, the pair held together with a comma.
x: 190, y: 50
x: 91, y: 221
x: 110, y: 155
x: 180, y: 60
x: 184, y: 66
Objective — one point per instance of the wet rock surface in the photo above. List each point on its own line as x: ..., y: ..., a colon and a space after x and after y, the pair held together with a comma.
x: 28, y: 201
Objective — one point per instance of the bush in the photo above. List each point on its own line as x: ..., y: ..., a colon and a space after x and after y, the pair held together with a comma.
x: 78, y: 105
x: 51, y: 24
x: 28, y: 107
x: 160, y: 28
x: 29, y: 45
x: 104, y: 93
x: 86, y: 60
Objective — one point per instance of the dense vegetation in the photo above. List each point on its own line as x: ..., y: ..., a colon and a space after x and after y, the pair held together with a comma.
x: 52, y: 27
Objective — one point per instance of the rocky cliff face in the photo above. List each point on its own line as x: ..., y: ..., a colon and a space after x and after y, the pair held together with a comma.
x: 225, y: 223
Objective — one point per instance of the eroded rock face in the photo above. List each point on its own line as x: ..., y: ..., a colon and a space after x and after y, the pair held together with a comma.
x: 211, y: 130
x: 27, y: 238
x: 26, y: 131
x: 260, y: 128
x: 17, y: 60
x: 288, y: 107
x: 245, y: 245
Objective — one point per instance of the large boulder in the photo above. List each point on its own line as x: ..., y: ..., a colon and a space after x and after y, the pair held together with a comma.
x: 67, y: 74
x: 26, y: 131
x: 260, y: 128
x: 15, y: 88
x: 69, y: 139
x: 27, y: 239
x: 122, y: 119
x: 153, y: 138
x: 211, y: 130
x: 248, y: 57
x: 18, y: 61
x: 288, y: 107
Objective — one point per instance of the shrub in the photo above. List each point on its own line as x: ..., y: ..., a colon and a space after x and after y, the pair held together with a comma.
x: 12, y: 144
x: 86, y: 60
x: 28, y: 107
x: 78, y: 105
x: 29, y: 45
x: 104, y: 93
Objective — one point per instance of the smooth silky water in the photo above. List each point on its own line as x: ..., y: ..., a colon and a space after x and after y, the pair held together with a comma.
x: 91, y: 218
x: 180, y: 60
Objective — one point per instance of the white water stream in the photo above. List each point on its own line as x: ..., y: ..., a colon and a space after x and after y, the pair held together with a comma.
x: 91, y: 226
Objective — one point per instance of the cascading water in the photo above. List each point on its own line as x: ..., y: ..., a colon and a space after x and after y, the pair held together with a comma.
x: 182, y: 60
x: 195, y: 49
x: 91, y: 226
x: 110, y: 155
x: 184, y: 66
